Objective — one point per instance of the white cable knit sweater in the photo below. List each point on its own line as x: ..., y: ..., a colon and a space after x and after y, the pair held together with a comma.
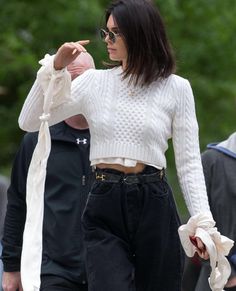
x: 126, y: 123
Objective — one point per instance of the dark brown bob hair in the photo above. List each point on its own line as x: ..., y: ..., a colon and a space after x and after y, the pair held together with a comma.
x: 150, y: 56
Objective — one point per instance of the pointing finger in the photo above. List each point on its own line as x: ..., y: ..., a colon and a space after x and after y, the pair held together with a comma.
x: 83, y: 42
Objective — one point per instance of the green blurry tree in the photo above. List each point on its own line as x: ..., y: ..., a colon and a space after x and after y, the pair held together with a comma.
x: 203, y: 37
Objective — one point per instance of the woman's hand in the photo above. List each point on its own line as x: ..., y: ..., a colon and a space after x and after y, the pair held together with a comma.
x: 200, y: 247
x: 68, y: 52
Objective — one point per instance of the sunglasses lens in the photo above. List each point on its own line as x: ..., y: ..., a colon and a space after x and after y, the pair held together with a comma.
x: 103, y: 34
x: 112, y: 36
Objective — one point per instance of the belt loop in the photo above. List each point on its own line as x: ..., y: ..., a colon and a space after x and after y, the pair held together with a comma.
x: 162, y: 173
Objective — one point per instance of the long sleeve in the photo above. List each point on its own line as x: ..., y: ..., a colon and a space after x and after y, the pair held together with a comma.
x: 207, y: 164
x: 49, y: 101
x: 192, y: 182
x: 4, y: 184
x: 187, y: 152
x: 65, y: 96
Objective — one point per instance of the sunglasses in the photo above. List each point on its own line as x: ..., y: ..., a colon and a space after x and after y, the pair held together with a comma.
x: 112, y: 35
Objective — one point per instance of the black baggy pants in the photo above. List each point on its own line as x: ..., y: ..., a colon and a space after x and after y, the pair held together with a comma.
x: 131, y: 237
x: 58, y: 283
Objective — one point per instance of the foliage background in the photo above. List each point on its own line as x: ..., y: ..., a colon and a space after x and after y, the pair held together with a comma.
x: 202, y: 34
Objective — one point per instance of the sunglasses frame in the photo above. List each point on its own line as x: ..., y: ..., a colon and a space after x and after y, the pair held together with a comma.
x: 112, y: 35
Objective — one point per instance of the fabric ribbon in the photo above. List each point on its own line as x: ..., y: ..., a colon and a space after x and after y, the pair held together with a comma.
x: 31, y: 257
x: 217, y: 245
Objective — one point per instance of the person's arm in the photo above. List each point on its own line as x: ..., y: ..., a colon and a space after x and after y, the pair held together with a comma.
x: 187, y: 152
x: 16, y: 207
x: 51, y: 92
x: 4, y: 184
x: 200, y: 228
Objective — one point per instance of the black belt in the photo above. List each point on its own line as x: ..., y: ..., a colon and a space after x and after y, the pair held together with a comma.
x: 130, y: 178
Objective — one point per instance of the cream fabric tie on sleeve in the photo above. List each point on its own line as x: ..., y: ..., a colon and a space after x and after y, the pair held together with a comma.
x: 217, y: 245
x: 31, y: 257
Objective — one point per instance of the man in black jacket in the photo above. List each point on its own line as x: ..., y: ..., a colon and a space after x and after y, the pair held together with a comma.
x: 68, y: 181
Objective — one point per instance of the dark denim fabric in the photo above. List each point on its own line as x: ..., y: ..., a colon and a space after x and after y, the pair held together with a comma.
x: 56, y: 283
x: 131, y: 237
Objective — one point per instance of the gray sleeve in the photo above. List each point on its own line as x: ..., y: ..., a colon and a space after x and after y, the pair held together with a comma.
x: 4, y: 184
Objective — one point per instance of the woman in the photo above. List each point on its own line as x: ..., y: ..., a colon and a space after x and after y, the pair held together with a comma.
x: 130, y: 220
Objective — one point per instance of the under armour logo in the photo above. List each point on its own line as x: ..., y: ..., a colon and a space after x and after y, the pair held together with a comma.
x: 83, y: 141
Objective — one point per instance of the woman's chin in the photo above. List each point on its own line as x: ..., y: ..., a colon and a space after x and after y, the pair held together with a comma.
x: 113, y: 58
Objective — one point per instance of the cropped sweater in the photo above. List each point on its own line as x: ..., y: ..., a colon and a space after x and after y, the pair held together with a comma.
x: 126, y: 122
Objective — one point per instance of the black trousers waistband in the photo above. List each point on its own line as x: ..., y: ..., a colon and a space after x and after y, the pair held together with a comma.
x: 148, y: 175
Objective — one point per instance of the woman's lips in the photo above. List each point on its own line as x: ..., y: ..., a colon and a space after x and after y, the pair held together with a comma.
x: 111, y: 50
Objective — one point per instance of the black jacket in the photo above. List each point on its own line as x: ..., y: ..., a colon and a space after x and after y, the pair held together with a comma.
x: 68, y: 181
x: 219, y: 165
